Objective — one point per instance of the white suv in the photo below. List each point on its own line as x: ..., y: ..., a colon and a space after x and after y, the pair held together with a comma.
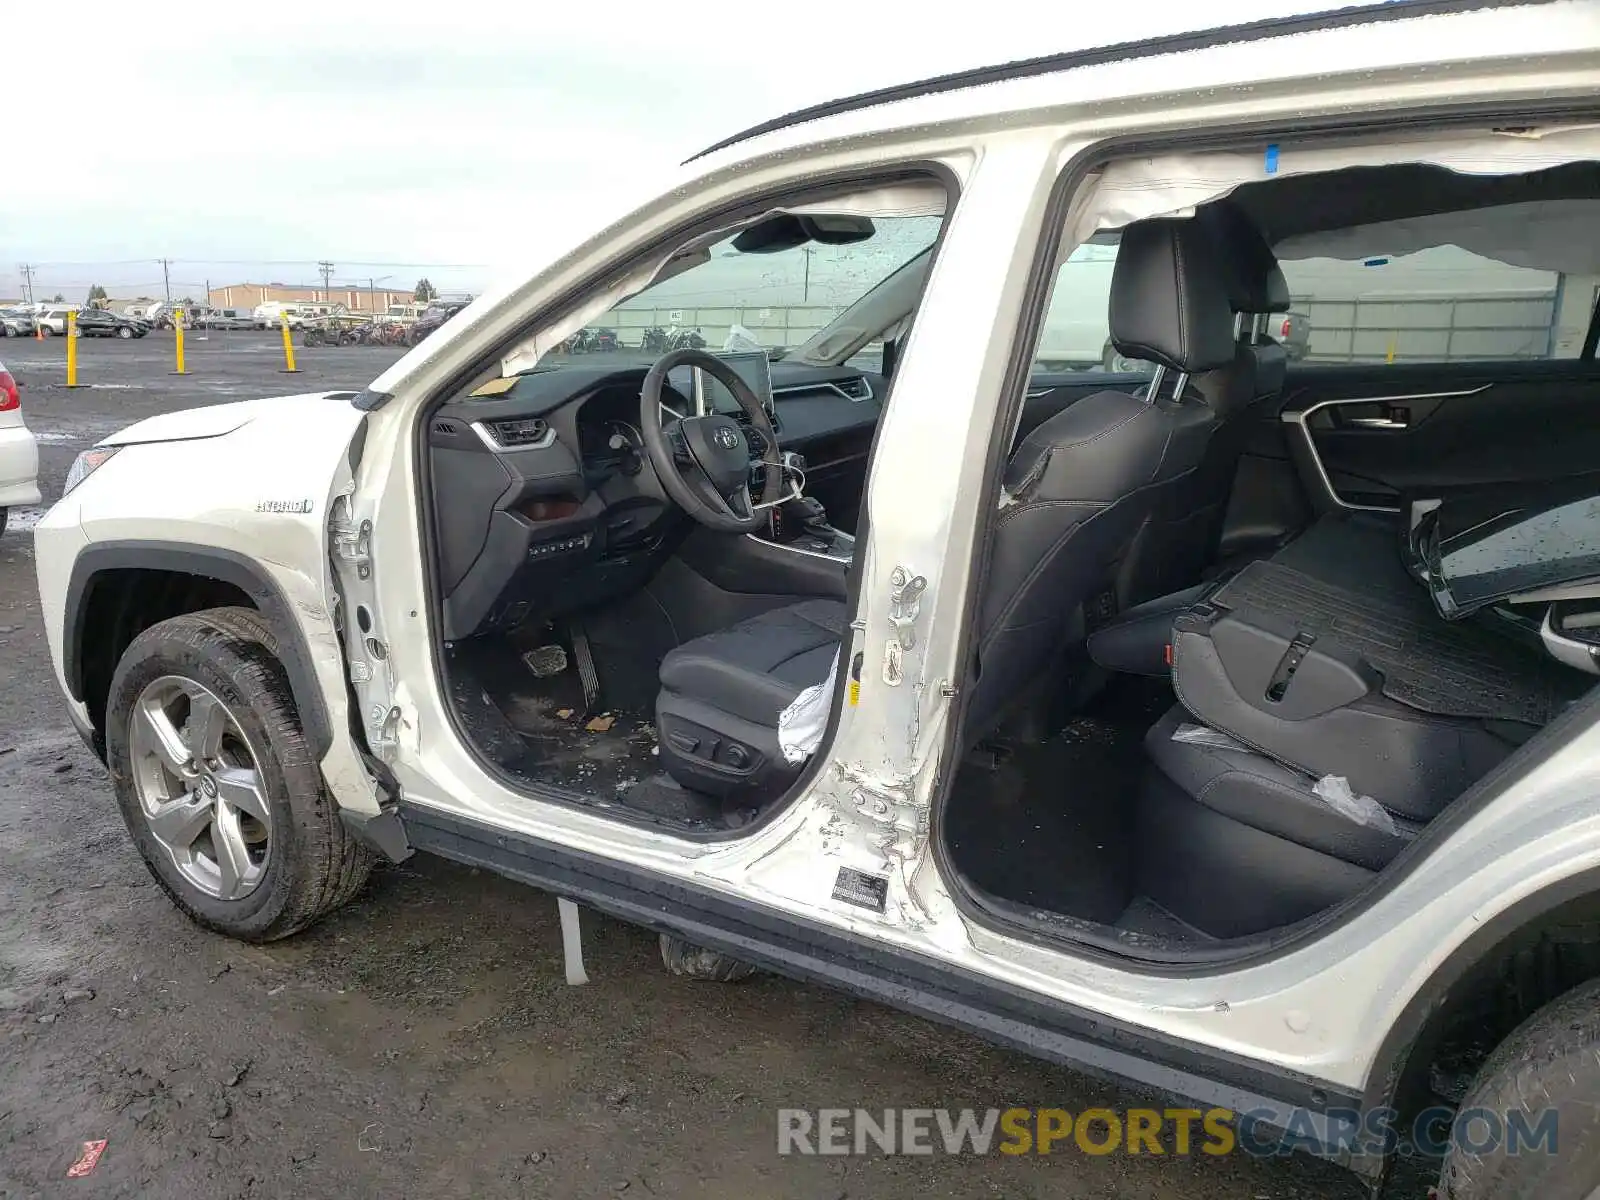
x: 1225, y: 728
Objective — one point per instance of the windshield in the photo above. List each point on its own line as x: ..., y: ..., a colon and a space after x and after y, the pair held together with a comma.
x: 742, y: 301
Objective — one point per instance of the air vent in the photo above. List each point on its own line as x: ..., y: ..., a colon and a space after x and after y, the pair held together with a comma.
x: 857, y: 388
x: 448, y: 428
x: 520, y: 435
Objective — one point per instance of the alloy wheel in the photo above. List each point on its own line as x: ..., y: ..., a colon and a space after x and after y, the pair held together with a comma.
x: 200, y: 787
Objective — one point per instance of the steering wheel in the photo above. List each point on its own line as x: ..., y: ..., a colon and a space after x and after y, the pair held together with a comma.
x: 704, y: 462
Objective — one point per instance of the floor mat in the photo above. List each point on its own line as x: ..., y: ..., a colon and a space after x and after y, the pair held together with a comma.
x: 1051, y: 826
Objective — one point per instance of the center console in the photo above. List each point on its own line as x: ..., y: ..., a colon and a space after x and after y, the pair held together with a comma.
x: 801, y: 524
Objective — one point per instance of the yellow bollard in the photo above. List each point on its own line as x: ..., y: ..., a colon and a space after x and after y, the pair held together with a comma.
x: 72, y: 349
x: 177, y: 325
x: 288, y: 348
x: 1394, y: 344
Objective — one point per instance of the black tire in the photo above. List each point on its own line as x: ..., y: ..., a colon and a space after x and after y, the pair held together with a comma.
x: 1551, y: 1061
x: 5, y: 515
x: 316, y: 865
x: 45, y: 329
x: 124, y: 332
x: 696, y: 962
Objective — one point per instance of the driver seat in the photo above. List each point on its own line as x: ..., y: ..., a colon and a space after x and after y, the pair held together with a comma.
x: 721, y: 694
x: 1076, y: 490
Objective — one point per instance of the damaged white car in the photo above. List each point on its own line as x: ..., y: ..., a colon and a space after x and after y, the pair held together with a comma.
x: 1224, y: 726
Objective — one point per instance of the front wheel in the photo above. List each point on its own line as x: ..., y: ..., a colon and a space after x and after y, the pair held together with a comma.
x: 218, y: 783
x: 1542, y: 1079
x: 124, y: 333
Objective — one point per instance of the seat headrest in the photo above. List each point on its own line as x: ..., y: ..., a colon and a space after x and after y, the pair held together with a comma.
x: 1255, y: 281
x: 1169, y: 296
x: 1274, y: 297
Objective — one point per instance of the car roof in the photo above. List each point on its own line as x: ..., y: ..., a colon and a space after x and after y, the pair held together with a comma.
x: 1274, y: 27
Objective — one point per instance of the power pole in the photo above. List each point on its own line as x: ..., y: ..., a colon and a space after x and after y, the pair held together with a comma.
x: 166, y: 279
x: 372, y: 295
x: 326, y: 268
x: 27, y: 281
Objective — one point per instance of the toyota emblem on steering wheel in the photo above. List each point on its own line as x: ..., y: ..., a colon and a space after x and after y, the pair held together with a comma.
x: 726, y: 438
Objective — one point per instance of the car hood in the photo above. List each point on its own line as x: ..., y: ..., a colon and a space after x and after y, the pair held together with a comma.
x: 218, y: 419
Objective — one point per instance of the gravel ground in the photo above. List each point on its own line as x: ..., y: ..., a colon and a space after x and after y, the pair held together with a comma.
x: 422, y: 1042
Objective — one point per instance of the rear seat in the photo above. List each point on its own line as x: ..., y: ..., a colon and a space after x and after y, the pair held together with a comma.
x: 1357, y: 548
x: 1358, y: 680
x: 1234, y: 843
x: 1325, y: 660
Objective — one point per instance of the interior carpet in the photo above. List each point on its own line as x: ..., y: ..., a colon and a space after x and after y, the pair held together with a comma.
x: 1051, y: 826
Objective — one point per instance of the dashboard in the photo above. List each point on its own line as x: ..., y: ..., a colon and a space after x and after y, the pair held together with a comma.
x: 546, y: 503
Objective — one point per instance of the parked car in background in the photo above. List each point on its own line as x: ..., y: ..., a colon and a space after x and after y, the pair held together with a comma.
x: 1291, y: 330
x: 98, y: 322
x: 16, y: 322
x: 19, y: 453
x: 272, y: 313
x: 225, y: 318
x: 435, y: 315
x: 53, y: 319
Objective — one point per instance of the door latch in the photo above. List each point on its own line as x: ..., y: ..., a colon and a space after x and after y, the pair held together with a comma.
x: 905, y: 601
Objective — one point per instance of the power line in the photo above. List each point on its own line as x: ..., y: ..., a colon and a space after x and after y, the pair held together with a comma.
x: 326, y: 268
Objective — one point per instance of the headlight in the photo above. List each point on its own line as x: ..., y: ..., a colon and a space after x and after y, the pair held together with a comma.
x: 86, y: 464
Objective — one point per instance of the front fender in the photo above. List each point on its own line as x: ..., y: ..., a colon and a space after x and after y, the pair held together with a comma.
x: 248, y: 506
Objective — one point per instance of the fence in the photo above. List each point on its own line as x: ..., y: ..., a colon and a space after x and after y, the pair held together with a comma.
x: 772, y: 326
x: 1431, y: 328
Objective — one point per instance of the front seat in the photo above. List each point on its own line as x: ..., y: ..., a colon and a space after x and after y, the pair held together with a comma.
x: 1181, y: 541
x: 1181, y: 537
x: 1074, y: 493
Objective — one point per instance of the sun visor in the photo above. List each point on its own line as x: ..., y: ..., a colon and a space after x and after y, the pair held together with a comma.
x: 903, y: 200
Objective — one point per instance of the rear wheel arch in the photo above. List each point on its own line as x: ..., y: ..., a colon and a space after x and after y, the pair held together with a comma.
x: 1513, y: 965
x: 119, y: 589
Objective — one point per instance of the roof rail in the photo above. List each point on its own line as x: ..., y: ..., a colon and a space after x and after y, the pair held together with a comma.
x: 1175, y: 43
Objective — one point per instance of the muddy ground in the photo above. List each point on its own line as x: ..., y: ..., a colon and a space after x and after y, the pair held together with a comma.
x: 422, y: 1042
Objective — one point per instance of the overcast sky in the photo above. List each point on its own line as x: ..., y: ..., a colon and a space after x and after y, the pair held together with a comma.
x: 464, y: 140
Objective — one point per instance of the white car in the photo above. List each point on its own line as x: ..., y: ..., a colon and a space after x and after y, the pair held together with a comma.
x: 1228, y: 729
x: 52, y: 319
x: 19, y: 453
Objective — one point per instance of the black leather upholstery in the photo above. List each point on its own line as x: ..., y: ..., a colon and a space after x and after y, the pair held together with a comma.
x: 1357, y: 549
x: 1330, y: 659
x: 1234, y: 843
x: 1078, y: 489
x: 1168, y: 291
x: 721, y: 694
x: 1076, y: 492
x: 1263, y: 794
x: 1254, y: 282
x: 757, y: 667
x: 1180, y: 539
x: 1139, y: 640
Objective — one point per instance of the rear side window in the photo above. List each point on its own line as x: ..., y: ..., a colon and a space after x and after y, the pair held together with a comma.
x: 1442, y: 304
x: 1076, y: 334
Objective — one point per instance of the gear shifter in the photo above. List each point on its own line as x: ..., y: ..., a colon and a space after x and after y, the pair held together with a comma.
x: 803, y: 519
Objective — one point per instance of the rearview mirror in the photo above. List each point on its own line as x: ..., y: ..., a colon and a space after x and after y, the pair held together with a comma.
x: 787, y: 231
